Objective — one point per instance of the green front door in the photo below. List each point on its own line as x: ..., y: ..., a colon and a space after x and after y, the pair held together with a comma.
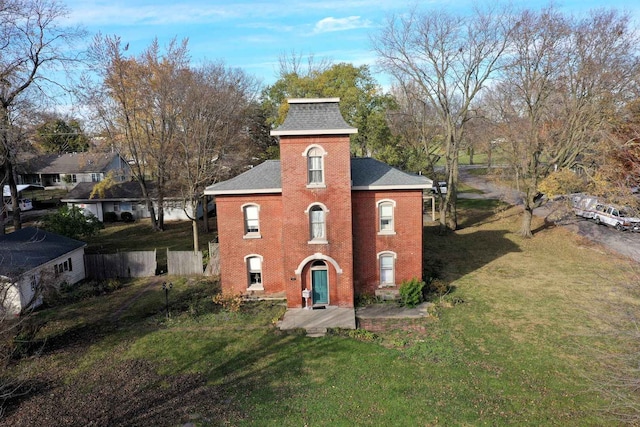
x: 320, y: 286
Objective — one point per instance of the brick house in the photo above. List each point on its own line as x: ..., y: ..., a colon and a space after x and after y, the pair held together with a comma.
x: 318, y: 219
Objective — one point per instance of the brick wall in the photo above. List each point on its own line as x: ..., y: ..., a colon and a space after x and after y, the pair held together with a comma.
x: 367, y: 242
x: 234, y: 246
x: 297, y: 198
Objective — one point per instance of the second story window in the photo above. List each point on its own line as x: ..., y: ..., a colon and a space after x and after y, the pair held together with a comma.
x: 317, y: 223
x: 251, y: 220
x: 315, y: 166
x: 385, y: 215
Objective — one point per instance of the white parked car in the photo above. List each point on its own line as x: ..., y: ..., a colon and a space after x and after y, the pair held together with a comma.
x: 442, y: 185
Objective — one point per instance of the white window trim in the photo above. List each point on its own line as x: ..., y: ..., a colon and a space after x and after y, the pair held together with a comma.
x: 251, y: 235
x: 382, y: 232
x: 379, y: 256
x: 305, y: 154
x: 255, y: 287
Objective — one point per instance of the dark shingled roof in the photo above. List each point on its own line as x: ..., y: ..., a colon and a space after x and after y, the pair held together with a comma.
x: 68, y: 163
x: 30, y: 247
x: 129, y: 190
x: 314, y: 117
x: 264, y: 178
x: 366, y: 174
x: 122, y: 191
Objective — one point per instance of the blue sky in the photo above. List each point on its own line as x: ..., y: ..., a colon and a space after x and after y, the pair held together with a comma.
x: 253, y: 34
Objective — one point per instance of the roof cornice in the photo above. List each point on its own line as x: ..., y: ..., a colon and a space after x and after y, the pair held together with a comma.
x: 391, y: 187
x: 310, y: 132
x: 311, y: 100
x: 242, y: 192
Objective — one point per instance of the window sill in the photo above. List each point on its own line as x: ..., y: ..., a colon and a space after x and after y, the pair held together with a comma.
x: 318, y: 242
x: 386, y: 233
x: 252, y: 236
x: 256, y: 287
x: 386, y: 285
x: 312, y: 186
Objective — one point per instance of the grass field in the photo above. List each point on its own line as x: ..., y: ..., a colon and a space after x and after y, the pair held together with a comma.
x: 526, y: 337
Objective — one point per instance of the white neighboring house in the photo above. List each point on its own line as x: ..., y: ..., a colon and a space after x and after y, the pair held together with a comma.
x: 120, y: 198
x: 31, y: 259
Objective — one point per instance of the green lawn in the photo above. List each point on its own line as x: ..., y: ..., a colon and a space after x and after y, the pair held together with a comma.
x: 524, y: 338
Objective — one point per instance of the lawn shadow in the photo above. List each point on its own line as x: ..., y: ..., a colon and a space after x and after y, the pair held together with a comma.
x: 454, y: 255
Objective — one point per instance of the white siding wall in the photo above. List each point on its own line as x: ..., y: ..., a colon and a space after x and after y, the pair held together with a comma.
x: 20, y: 293
x: 94, y: 208
x: 171, y: 212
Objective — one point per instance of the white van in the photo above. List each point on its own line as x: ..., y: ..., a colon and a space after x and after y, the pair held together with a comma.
x: 590, y: 207
x: 615, y: 217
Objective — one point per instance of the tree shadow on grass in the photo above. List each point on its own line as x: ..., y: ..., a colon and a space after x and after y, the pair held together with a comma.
x: 454, y: 255
x: 133, y: 392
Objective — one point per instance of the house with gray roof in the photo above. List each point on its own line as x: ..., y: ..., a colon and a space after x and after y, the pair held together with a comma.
x: 125, y: 200
x: 32, y: 260
x: 319, y: 227
x: 67, y: 170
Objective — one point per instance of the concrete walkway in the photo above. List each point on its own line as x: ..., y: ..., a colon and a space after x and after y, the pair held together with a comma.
x: 316, y: 322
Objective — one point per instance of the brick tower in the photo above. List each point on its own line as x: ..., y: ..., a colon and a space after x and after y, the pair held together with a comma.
x: 316, y: 203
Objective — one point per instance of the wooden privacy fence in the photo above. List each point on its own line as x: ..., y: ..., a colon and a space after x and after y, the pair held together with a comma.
x: 144, y: 264
x: 121, y: 264
x: 184, y: 263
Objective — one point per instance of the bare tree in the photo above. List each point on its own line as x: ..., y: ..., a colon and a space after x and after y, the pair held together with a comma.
x: 212, y: 130
x: 139, y: 103
x: 31, y: 43
x: 414, y: 123
x: 21, y: 290
x: 449, y: 59
x: 554, y: 103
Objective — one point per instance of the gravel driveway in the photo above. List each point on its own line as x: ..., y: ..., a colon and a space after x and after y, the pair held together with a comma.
x: 623, y: 242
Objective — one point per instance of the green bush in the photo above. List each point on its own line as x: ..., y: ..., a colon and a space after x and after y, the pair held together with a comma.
x: 411, y: 292
x: 72, y: 222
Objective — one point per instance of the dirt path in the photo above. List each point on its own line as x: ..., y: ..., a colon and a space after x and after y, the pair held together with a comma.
x: 154, y: 283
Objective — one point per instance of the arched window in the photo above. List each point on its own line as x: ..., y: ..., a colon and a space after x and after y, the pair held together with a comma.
x: 254, y: 272
x: 386, y: 217
x: 315, y: 166
x: 387, y: 264
x: 251, y: 220
x: 317, y: 223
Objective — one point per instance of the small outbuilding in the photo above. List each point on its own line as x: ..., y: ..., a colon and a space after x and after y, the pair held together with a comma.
x: 32, y: 260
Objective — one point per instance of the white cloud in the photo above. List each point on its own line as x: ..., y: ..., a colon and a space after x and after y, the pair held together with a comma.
x: 331, y: 24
